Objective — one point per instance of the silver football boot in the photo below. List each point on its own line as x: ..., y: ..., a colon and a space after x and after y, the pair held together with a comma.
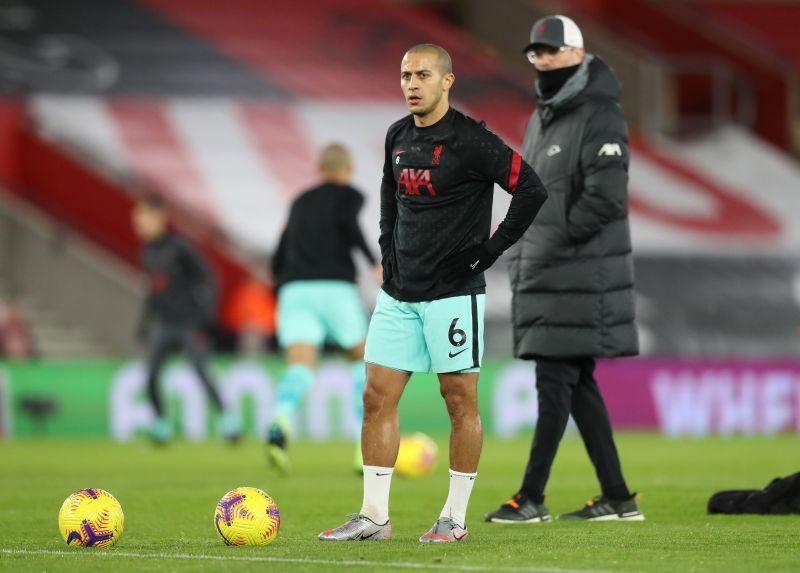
x: 445, y: 530
x: 358, y: 528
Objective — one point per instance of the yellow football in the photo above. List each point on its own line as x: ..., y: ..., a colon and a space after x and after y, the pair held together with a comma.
x: 91, y: 517
x: 247, y: 516
x: 417, y: 456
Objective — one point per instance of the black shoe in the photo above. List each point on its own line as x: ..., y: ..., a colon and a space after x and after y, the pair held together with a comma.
x: 276, y: 436
x: 604, y: 509
x: 519, y: 509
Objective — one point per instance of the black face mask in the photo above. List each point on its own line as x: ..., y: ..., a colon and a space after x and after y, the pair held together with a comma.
x: 553, y: 80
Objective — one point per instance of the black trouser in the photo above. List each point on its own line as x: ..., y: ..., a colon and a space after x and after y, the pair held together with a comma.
x: 567, y: 386
x: 169, y: 339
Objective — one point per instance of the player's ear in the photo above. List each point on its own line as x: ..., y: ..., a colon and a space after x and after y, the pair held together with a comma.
x: 448, y: 81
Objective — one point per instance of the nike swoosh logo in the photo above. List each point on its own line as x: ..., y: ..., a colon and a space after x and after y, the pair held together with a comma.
x: 475, y: 264
x: 452, y: 355
x: 400, y: 152
x: 373, y: 534
x: 457, y: 538
x: 383, y: 474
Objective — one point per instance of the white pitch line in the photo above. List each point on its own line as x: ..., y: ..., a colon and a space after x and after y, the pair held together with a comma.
x: 330, y: 562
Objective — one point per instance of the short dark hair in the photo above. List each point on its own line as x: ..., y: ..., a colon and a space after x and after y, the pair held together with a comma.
x: 153, y: 201
x: 442, y: 57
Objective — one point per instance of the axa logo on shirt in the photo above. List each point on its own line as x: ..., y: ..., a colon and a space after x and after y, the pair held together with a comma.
x: 411, y: 180
x: 610, y: 149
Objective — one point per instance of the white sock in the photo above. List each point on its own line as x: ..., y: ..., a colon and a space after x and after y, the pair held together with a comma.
x: 376, y: 493
x: 457, y: 500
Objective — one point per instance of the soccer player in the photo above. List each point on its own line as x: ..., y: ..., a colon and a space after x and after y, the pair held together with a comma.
x: 317, y: 296
x: 179, y: 306
x: 439, y: 172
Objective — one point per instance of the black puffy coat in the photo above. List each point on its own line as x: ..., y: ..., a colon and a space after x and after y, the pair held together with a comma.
x: 572, y: 271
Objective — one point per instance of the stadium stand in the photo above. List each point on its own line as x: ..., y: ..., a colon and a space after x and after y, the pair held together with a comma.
x: 766, y: 24
x: 223, y: 113
x: 75, y: 299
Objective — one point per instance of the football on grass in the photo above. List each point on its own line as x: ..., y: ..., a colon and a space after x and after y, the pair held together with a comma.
x: 247, y: 516
x: 91, y: 517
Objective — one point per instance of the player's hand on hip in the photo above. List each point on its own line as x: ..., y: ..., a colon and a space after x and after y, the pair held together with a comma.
x: 467, y: 263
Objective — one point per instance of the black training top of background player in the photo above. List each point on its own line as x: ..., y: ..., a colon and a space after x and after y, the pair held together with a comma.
x: 320, y: 235
x: 182, y: 288
x: 436, y: 201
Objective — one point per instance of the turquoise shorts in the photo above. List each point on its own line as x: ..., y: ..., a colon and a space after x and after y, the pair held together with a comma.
x: 311, y: 312
x: 444, y: 335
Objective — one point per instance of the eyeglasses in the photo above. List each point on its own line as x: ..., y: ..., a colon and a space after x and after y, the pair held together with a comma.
x: 540, y: 51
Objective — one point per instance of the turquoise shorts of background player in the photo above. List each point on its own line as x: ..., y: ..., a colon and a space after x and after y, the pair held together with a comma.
x: 444, y: 335
x: 310, y: 312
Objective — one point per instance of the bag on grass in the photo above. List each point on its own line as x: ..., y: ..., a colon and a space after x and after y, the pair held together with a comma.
x: 781, y: 496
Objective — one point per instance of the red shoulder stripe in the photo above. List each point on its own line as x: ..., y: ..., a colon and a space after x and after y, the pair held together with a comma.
x: 513, y: 175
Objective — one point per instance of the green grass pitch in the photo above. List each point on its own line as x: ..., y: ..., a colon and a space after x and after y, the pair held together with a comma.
x: 169, y: 496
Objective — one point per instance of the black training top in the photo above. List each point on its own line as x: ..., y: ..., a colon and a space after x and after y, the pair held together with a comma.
x: 320, y: 235
x: 181, y: 288
x: 436, y: 200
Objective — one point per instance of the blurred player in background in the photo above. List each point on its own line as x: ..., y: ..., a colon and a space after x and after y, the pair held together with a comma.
x: 439, y: 172
x: 572, y: 276
x: 179, y: 306
x: 318, y: 297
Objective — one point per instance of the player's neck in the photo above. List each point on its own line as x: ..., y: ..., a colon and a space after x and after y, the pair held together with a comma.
x: 434, y: 116
x: 155, y: 238
x: 334, y: 179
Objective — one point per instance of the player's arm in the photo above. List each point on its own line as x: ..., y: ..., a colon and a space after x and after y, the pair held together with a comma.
x: 197, y: 269
x: 388, y: 210
x: 493, y: 160
x: 527, y: 192
x: 193, y: 264
x: 352, y: 230
x: 279, y: 257
x: 604, y: 162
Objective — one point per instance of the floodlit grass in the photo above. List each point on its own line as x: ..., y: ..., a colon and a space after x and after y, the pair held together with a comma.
x: 169, y: 496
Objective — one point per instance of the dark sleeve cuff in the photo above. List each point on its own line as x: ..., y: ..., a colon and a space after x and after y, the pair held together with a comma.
x: 497, y: 244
